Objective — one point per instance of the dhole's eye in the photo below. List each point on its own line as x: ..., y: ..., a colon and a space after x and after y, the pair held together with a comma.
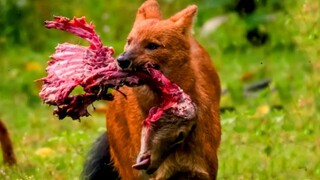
x: 152, y: 46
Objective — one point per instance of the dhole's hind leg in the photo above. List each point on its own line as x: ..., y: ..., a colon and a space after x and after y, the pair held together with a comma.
x: 98, y: 165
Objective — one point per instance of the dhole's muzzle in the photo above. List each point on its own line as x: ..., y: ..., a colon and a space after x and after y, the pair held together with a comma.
x: 125, y: 59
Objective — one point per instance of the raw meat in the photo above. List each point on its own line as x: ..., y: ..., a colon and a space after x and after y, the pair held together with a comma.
x: 95, y: 70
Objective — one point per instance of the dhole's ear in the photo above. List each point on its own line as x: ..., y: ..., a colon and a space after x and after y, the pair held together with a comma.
x: 184, y: 18
x: 148, y: 10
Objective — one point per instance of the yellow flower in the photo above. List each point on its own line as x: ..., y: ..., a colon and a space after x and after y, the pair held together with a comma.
x: 45, y: 152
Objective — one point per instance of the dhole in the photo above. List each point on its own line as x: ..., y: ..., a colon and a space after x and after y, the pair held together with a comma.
x: 6, y: 146
x: 167, y: 43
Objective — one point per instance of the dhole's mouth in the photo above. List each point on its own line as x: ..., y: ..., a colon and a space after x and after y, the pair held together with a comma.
x: 140, y: 67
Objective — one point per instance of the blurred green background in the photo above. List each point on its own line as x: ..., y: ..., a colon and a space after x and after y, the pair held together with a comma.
x: 272, y: 133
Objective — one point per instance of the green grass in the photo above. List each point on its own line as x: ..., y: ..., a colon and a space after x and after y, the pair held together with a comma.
x: 273, y: 134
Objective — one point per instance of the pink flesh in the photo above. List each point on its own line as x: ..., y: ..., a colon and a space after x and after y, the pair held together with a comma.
x: 94, y: 69
x: 173, y: 98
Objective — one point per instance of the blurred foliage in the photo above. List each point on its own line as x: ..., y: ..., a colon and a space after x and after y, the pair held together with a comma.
x: 269, y: 134
x: 22, y: 20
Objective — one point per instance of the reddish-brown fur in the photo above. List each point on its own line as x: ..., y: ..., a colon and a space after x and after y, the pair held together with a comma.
x: 6, y: 146
x: 183, y: 60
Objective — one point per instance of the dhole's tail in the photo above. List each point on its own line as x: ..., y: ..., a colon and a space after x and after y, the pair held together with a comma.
x: 6, y: 146
x: 98, y: 164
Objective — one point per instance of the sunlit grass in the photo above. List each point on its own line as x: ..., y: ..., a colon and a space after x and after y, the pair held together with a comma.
x: 270, y: 134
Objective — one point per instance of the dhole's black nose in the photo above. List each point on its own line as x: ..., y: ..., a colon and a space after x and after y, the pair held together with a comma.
x: 124, y: 62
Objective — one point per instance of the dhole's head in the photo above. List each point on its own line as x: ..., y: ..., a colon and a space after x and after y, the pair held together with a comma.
x: 164, y: 43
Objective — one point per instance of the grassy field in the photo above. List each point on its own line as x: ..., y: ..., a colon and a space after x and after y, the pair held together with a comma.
x: 270, y: 134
